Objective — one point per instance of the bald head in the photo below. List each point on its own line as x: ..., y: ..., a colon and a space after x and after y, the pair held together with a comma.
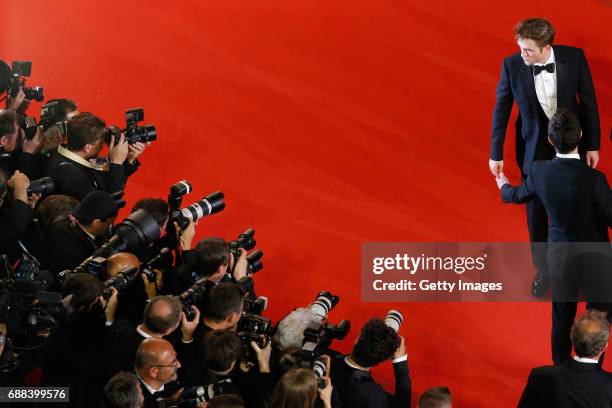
x: 162, y: 315
x: 590, y: 334
x: 156, y: 362
x: 119, y: 261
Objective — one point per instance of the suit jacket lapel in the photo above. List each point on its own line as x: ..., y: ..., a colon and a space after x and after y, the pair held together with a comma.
x: 561, y: 68
x: 529, y: 84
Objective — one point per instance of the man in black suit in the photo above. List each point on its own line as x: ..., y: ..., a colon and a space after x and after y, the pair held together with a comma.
x: 579, y: 382
x: 578, y: 201
x: 542, y: 78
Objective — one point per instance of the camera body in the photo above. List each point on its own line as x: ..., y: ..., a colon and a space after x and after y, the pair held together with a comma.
x: 318, y: 338
x: 135, y: 133
x: 252, y: 327
x: 21, y: 69
x: 121, y: 281
x: 193, y: 296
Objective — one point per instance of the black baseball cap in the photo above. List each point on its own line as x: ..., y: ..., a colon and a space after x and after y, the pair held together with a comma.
x: 96, y: 205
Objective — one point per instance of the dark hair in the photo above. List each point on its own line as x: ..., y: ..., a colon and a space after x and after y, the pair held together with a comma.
x: 590, y: 334
x: 226, y: 401
x: 84, y: 128
x: 7, y: 122
x: 210, y: 253
x: 157, y: 322
x: 122, y: 391
x: 55, y: 208
x: 539, y: 30
x: 155, y: 207
x: 221, y: 348
x: 296, y: 389
x: 435, y: 397
x: 84, y: 288
x: 564, y: 130
x: 377, y: 343
x: 3, y: 181
x: 222, y: 300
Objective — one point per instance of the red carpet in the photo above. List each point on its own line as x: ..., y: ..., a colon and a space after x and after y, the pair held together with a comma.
x: 327, y: 125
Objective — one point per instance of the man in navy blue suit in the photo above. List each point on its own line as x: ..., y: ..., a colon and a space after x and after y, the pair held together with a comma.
x: 542, y: 78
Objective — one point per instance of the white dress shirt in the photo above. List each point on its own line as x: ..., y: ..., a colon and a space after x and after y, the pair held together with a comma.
x: 585, y: 360
x: 546, y: 87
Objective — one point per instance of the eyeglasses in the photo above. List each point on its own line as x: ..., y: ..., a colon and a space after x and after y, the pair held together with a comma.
x: 173, y: 364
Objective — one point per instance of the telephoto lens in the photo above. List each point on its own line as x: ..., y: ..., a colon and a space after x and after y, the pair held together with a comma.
x: 192, y: 297
x: 245, y: 241
x: 324, y: 302
x: 319, y: 369
x: 207, y: 392
x: 254, y: 263
x: 42, y: 186
x: 211, y: 204
x: 394, y: 320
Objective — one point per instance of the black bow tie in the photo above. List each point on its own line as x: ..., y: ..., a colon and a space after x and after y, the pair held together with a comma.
x: 539, y: 68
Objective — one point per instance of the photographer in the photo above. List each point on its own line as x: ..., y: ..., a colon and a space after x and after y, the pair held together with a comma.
x: 298, y: 388
x: 75, y: 167
x: 123, y: 391
x: 219, y: 362
x: 161, y: 317
x: 211, y: 259
x: 74, y: 355
x: 70, y: 242
x: 351, y: 375
x: 22, y: 151
x: 156, y: 366
x: 15, y: 213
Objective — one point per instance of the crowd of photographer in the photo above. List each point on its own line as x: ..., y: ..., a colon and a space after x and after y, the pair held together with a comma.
x: 133, y: 314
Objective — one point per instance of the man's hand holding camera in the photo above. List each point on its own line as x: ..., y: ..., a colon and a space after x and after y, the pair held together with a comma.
x: 20, y: 183
x: 263, y: 356
x: 118, y: 150
x: 188, y: 327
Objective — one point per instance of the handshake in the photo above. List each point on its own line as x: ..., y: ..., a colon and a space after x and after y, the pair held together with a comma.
x: 496, y: 168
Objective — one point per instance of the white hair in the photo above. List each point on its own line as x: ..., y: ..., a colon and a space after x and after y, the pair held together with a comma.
x: 290, y: 330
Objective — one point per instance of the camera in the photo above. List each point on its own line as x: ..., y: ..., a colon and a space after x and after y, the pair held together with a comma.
x: 255, y: 306
x: 319, y: 336
x: 323, y: 303
x: 20, y: 69
x: 29, y: 126
x: 193, y: 296
x: 120, y: 282
x: 135, y: 133
x: 254, y: 263
x: 50, y: 115
x: 191, y: 397
x: 244, y: 241
x: 211, y: 204
x: 43, y: 186
x: 394, y: 320
x: 146, y: 267
x: 252, y: 327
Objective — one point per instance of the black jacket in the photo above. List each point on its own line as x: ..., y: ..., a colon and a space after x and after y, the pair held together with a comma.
x: 577, y: 198
x: 516, y: 83
x: 74, y: 179
x: 571, y: 384
x: 357, y: 389
x: 66, y: 246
